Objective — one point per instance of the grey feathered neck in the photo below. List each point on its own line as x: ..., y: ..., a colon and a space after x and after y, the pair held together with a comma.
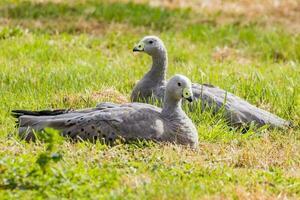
x: 172, y: 107
x: 158, y: 70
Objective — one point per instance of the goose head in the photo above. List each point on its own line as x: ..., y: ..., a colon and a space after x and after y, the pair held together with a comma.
x: 152, y: 45
x: 179, y: 87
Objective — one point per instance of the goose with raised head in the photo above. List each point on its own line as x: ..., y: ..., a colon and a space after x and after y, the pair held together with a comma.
x: 237, y: 111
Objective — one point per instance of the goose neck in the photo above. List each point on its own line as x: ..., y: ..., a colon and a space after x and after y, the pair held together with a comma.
x: 157, y: 72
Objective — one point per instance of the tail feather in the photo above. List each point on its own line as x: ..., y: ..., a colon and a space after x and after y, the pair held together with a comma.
x: 29, y: 124
x: 19, y: 113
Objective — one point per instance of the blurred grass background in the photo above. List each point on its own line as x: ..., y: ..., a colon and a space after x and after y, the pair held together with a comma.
x: 72, y: 54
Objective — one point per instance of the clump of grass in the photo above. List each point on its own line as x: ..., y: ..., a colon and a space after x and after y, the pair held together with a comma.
x: 20, y: 176
x: 7, y: 32
x: 52, y: 138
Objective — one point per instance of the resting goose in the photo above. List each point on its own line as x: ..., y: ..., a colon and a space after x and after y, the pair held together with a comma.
x: 129, y: 121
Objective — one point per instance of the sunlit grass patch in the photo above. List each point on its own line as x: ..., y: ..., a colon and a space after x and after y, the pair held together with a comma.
x: 74, y: 54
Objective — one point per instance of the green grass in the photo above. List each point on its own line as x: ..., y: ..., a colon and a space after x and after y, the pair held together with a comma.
x: 59, y: 55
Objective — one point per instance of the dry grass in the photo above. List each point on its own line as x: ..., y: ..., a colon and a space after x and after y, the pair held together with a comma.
x: 105, y: 95
x: 109, y: 94
x: 261, y: 154
x: 81, y: 25
x: 242, y: 193
x: 226, y: 53
x: 265, y: 12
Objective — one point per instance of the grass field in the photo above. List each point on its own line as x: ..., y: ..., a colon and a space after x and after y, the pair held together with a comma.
x: 73, y: 54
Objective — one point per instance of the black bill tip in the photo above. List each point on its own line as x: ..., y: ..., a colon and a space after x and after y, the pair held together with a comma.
x: 190, y: 99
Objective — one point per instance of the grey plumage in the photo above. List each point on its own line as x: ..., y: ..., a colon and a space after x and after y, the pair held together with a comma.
x: 129, y: 121
x: 237, y: 111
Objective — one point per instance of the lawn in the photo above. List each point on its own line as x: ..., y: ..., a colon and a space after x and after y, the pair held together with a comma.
x: 73, y: 54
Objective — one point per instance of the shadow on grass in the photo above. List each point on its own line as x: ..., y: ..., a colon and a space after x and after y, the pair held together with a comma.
x: 134, y: 14
x: 15, y: 186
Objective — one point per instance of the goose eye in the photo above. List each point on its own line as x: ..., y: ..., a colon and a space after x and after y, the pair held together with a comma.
x: 150, y: 42
x: 179, y: 84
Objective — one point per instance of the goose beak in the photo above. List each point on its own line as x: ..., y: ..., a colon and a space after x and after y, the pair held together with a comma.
x: 139, y: 47
x: 136, y: 49
x: 190, y: 99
